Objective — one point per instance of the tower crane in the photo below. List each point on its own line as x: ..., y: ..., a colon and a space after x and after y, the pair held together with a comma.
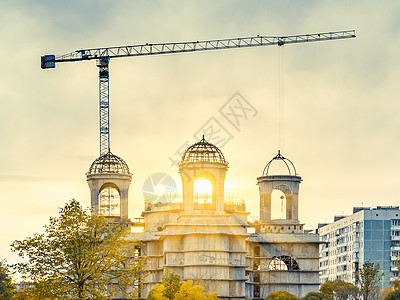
x: 103, y: 56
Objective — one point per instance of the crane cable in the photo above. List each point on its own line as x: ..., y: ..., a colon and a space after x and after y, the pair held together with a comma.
x: 281, y: 99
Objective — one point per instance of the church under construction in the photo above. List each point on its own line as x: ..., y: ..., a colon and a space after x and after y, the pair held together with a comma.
x: 210, y: 240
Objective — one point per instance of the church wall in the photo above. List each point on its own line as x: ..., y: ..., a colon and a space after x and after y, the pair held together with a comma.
x: 209, y: 244
x: 155, y: 220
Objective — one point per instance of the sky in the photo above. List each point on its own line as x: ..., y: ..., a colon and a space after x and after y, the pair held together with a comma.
x: 340, y: 100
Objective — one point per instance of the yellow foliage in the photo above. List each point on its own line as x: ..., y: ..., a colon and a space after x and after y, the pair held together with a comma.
x: 157, y: 293
x: 188, y: 291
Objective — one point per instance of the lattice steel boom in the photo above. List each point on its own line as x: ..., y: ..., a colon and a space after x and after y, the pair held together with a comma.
x: 103, y: 55
x: 104, y: 111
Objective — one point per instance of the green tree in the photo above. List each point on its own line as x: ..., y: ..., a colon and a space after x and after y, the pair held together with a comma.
x: 339, y: 289
x: 7, y: 288
x: 395, y: 295
x: 169, y: 287
x: 172, y: 283
x: 26, y: 293
x: 78, y: 256
x: 327, y: 288
x: 281, y: 295
x: 344, y: 290
x: 316, y: 296
x: 369, y: 278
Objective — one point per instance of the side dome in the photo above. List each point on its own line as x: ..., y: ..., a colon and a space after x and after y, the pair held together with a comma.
x: 203, y: 151
x: 109, y: 163
x: 287, y: 164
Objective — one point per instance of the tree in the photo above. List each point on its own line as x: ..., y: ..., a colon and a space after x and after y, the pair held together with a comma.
x: 395, y: 295
x: 6, y: 286
x: 26, y: 294
x: 172, y: 283
x: 316, y: 296
x: 157, y: 293
x: 369, y: 278
x: 396, y: 284
x: 188, y: 291
x: 169, y: 287
x: 281, y: 295
x: 344, y: 290
x: 78, y: 256
x: 339, y: 289
x: 327, y: 288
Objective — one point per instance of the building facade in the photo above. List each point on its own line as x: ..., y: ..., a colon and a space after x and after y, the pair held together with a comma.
x: 208, y: 238
x: 369, y: 234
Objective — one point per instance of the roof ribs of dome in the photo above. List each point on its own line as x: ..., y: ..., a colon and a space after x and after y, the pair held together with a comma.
x: 109, y: 163
x: 203, y: 151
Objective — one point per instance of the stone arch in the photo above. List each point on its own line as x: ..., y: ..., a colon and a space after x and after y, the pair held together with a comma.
x: 109, y: 184
x: 283, y: 263
x: 278, y: 205
x: 284, y: 189
x: 282, y: 206
x: 109, y: 200
x: 204, y: 200
x: 215, y: 172
x: 207, y: 175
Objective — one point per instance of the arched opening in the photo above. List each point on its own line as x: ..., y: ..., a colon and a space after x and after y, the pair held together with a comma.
x: 283, y: 263
x: 278, y: 204
x: 203, y: 194
x: 277, y: 264
x: 109, y: 201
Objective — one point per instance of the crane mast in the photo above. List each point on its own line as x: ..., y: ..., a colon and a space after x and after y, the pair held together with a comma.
x: 103, y: 56
x: 104, y: 106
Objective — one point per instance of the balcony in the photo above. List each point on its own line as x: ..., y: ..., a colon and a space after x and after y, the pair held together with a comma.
x: 231, y: 203
x: 234, y: 204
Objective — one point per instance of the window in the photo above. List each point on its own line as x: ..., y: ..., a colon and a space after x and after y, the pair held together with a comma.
x: 396, y: 222
x: 109, y: 200
x: 278, y: 204
x: 283, y: 263
x: 203, y: 194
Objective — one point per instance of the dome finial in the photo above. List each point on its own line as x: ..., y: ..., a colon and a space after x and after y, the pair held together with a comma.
x: 279, y: 155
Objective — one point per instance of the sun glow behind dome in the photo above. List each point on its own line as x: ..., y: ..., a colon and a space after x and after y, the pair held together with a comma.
x: 203, y: 186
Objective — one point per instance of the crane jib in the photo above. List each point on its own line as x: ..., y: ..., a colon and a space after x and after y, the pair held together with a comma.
x: 103, y: 56
x: 49, y: 61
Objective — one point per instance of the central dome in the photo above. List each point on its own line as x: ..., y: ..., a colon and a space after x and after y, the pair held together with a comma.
x: 109, y: 163
x: 203, y: 151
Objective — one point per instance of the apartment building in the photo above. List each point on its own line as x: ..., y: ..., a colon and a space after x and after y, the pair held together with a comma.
x: 369, y: 234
